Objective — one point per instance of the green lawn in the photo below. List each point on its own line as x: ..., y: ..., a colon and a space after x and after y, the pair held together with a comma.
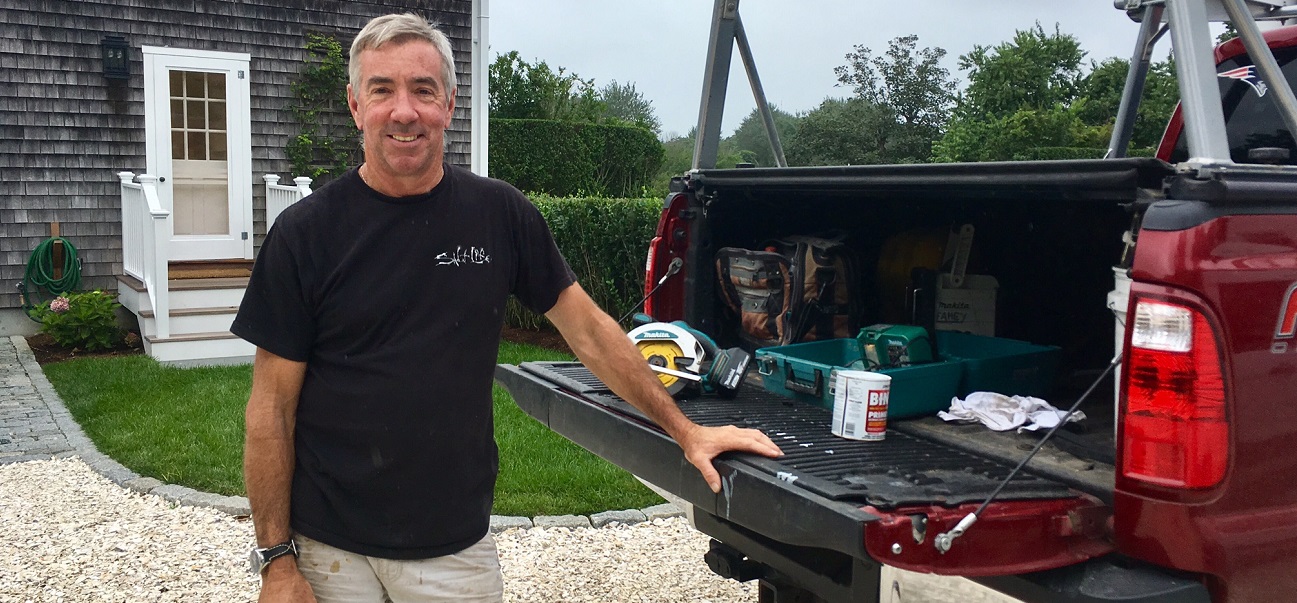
x: 185, y: 426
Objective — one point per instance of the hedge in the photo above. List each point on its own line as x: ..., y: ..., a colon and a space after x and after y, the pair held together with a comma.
x: 606, y: 243
x: 1052, y: 153
x: 566, y: 158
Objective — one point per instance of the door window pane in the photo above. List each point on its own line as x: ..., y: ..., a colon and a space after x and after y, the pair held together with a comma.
x: 216, y: 85
x: 177, y: 145
x: 195, y: 84
x: 197, y: 145
x: 177, y: 83
x: 216, y: 115
x: 195, y: 115
x: 216, y: 140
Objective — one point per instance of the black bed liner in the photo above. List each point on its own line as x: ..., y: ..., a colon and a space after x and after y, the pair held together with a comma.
x: 904, y: 469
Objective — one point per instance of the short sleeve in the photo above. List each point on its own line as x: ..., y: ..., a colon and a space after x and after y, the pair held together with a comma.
x: 275, y: 315
x: 542, y: 273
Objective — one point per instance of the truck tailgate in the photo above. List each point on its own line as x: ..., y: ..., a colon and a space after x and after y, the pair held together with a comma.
x: 867, y: 500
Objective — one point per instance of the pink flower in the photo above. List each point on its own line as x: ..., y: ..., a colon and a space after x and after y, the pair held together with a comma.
x: 59, y: 305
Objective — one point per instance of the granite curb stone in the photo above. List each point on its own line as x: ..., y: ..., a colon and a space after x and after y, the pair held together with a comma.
x: 627, y: 517
x: 561, y: 521
x: 79, y: 445
x: 663, y: 511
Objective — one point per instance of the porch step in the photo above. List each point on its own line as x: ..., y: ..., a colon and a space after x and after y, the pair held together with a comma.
x: 200, y: 349
x: 191, y: 320
x: 203, y: 293
x: 207, y: 269
x: 199, y: 319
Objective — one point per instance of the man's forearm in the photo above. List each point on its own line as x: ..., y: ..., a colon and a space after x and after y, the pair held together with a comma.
x: 620, y: 366
x: 600, y: 343
x: 268, y: 461
x: 268, y: 453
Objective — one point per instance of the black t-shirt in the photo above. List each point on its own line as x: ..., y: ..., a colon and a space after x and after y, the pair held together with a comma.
x: 396, y: 306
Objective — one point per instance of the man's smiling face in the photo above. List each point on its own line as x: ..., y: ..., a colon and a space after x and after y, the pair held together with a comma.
x: 403, y: 109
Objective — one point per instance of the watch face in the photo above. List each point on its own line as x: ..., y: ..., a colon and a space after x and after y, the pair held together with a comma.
x: 254, y: 561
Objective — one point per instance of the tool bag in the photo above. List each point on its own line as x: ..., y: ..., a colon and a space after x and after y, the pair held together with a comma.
x: 799, y: 288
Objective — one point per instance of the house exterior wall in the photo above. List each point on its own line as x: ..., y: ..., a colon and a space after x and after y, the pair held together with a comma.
x: 65, y: 130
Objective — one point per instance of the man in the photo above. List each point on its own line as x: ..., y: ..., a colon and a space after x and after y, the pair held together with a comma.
x: 376, y: 307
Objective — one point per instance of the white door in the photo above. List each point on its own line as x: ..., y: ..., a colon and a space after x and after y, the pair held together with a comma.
x: 198, y: 130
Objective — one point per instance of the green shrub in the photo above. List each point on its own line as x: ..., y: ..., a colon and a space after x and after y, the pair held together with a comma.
x: 567, y: 158
x: 1052, y: 153
x: 606, y: 243
x: 328, y: 142
x: 86, y: 320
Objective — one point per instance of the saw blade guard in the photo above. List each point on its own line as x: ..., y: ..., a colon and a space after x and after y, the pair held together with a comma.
x: 669, y: 346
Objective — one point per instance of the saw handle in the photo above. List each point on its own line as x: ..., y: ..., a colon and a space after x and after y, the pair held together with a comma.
x: 793, y: 385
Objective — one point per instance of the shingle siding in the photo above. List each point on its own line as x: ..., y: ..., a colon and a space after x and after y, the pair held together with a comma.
x: 65, y: 131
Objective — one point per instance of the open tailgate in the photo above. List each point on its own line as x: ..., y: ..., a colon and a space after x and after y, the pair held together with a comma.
x: 881, y: 502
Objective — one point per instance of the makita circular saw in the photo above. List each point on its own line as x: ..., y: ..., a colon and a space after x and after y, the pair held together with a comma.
x: 687, y: 361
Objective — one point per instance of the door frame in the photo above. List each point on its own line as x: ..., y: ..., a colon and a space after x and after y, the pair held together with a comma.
x: 157, y: 136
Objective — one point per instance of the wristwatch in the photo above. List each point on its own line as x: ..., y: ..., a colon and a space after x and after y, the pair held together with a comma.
x: 261, y: 558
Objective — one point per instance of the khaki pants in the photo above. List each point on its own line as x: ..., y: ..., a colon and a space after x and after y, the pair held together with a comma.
x: 336, y: 576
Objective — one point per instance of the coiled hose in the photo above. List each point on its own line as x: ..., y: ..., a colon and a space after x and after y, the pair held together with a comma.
x: 40, y: 274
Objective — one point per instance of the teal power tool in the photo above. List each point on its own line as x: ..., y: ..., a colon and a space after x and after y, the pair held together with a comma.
x: 687, y: 361
x: 891, y: 346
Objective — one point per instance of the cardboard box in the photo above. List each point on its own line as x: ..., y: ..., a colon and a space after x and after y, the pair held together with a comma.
x: 968, y: 309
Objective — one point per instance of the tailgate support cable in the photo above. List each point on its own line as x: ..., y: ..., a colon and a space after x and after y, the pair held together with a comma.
x: 945, y: 540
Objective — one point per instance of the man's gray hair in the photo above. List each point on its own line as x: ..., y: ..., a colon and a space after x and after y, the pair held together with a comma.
x: 400, y: 29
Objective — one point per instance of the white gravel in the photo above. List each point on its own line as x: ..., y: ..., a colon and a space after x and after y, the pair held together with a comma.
x: 68, y: 535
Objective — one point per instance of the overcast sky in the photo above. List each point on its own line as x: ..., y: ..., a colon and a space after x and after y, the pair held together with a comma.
x: 659, y: 45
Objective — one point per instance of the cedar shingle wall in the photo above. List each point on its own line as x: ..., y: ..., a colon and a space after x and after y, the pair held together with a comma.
x: 65, y: 130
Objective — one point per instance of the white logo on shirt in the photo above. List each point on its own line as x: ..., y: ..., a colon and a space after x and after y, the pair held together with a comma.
x: 461, y: 256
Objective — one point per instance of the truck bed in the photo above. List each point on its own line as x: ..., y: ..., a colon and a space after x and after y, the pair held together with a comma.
x: 914, y: 465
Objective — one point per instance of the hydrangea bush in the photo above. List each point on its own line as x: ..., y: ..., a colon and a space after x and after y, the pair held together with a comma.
x: 86, y: 320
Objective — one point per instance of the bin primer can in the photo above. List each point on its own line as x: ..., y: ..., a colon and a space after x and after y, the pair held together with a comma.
x: 860, y: 405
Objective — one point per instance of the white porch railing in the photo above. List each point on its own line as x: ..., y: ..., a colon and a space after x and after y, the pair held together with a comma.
x: 146, y: 230
x: 279, y: 197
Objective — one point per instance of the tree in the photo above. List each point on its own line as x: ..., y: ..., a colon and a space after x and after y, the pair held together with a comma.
x: 1034, y: 71
x: 1227, y: 35
x: 522, y: 90
x: 1020, y: 135
x: 751, y: 135
x: 1022, y: 94
x: 849, y: 131
x: 911, y: 83
x: 622, y: 102
x: 1102, y: 89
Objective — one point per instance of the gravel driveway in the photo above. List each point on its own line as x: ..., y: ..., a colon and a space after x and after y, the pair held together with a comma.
x: 71, y: 535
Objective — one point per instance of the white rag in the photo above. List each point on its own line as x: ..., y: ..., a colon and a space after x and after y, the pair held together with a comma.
x: 1002, y: 413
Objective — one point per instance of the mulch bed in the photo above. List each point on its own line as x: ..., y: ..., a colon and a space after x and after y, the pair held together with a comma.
x: 46, y: 351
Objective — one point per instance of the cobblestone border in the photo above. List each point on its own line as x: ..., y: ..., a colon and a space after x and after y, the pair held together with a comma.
x: 81, y: 447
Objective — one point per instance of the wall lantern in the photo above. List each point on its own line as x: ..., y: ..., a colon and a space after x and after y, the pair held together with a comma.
x: 117, y: 62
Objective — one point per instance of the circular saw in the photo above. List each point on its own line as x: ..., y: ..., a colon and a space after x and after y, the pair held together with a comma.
x: 673, y: 352
x: 688, y: 361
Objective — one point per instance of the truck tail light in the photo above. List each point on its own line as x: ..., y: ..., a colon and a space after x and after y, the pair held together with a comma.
x: 669, y: 242
x: 1176, y: 431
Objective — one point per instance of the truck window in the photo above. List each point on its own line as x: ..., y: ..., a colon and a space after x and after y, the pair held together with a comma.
x: 1251, y: 118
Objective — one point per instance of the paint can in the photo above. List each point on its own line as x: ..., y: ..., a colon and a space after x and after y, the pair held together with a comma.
x: 860, y: 405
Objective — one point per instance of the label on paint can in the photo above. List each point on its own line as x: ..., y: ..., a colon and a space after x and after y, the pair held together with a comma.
x: 860, y: 405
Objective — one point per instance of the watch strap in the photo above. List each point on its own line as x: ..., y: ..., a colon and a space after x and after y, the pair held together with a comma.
x: 268, y: 554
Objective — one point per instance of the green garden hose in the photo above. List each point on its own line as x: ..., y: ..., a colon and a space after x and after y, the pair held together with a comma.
x: 40, y: 274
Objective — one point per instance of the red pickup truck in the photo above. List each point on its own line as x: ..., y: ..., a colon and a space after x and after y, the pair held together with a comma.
x: 1181, y: 487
